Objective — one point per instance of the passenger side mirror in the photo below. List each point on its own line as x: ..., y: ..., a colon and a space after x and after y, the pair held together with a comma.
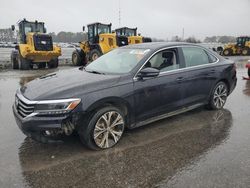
x: 148, y: 73
x: 13, y: 28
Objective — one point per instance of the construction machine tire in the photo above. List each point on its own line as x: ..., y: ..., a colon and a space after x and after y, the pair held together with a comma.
x: 14, y: 60
x: 94, y: 54
x: 245, y: 51
x: 77, y: 59
x: 53, y: 63
x: 227, y: 52
x: 24, y: 64
x: 41, y: 65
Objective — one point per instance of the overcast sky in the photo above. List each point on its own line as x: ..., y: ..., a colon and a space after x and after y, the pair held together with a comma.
x: 154, y: 18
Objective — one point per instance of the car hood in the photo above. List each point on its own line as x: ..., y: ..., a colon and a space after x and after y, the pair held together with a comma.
x: 66, y: 84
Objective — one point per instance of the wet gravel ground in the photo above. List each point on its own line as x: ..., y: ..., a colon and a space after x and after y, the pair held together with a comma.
x: 200, y: 148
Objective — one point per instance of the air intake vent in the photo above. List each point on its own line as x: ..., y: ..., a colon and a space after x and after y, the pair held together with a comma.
x: 122, y: 41
x: 43, y: 42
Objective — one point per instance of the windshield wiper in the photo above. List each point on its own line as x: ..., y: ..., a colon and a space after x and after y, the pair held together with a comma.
x: 94, y: 72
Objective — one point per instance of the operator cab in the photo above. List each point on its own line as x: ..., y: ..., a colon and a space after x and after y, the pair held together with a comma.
x: 95, y: 29
x: 125, y: 31
x: 26, y: 27
x: 241, y: 41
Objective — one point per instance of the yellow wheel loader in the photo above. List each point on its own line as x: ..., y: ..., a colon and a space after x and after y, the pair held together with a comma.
x: 100, y: 41
x: 242, y: 47
x: 34, y: 47
x: 131, y: 33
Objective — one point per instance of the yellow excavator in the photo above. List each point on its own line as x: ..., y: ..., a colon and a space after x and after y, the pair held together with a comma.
x: 100, y: 40
x: 34, y: 47
x: 242, y: 47
x: 131, y: 33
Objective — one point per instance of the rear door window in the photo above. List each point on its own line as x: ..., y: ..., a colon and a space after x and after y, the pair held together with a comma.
x: 195, y: 56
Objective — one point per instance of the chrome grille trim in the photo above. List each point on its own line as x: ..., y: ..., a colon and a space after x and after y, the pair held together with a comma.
x: 23, y: 106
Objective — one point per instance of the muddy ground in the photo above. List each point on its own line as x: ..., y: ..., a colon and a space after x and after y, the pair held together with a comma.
x: 200, y: 148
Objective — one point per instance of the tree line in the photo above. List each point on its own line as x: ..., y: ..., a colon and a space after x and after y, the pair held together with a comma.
x: 68, y: 37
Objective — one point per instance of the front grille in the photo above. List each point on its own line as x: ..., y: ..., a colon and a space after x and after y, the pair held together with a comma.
x: 23, y: 108
x: 43, y: 42
x: 122, y: 40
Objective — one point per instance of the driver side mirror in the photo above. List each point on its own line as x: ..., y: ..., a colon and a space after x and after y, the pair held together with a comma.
x: 148, y: 72
x: 13, y: 28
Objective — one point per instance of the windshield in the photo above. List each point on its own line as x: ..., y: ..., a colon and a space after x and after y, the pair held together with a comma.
x: 118, y: 61
x: 32, y: 27
x: 103, y: 29
x: 130, y: 32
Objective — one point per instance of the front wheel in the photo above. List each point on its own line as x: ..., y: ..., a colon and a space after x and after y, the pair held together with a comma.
x: 104, y: 129
x: 94, y: 54
x: 218, y: 97
x: 245, y: 51
x: 227, y: 52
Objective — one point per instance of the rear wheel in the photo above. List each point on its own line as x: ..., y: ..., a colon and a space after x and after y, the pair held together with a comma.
x: 245, y: 51
x: 104, y: 129
x: 227, y: 52
x: 78, y: 59
x: 14, y: 60
x: 94, y: 54
x: 53, y: 63
x: 24, y: 64
x: 218, y: 97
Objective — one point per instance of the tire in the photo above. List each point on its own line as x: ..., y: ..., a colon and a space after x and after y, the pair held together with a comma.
x: 97, y: 126
x: 24, y: 64
x: 41, y: 65
x: 14, y: 60
x: 218, y: 96
x: 245, y: 51
x: 53, y: 63
x: 227, y: 52
x: 78, y: 59
x: 94, y: 54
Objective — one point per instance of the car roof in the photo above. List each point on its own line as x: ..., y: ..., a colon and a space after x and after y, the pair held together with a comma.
x: 158, y: 45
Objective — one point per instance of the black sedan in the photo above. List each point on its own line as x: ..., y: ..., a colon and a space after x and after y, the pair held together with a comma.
x: 126, y: 88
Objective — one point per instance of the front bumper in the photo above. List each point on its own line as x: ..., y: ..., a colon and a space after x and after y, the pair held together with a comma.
x: 35, y: 124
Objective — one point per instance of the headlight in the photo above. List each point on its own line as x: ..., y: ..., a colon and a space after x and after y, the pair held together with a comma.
x: 56, y: 106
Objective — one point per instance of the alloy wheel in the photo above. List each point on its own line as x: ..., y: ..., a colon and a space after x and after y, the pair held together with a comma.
x: 220, y: 96
x: 74, y: 59
x: 95, y: 56
x: 108, y: 129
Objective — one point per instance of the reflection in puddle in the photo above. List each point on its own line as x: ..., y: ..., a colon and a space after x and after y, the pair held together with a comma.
x: 246, y: 90
x: 144, y: 157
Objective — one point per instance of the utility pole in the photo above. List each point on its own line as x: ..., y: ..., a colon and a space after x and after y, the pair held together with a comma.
x: 183, y: 33
x: 119, y: 12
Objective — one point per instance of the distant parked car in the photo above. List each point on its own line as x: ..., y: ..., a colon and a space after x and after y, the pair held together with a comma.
x: 126, y: 88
